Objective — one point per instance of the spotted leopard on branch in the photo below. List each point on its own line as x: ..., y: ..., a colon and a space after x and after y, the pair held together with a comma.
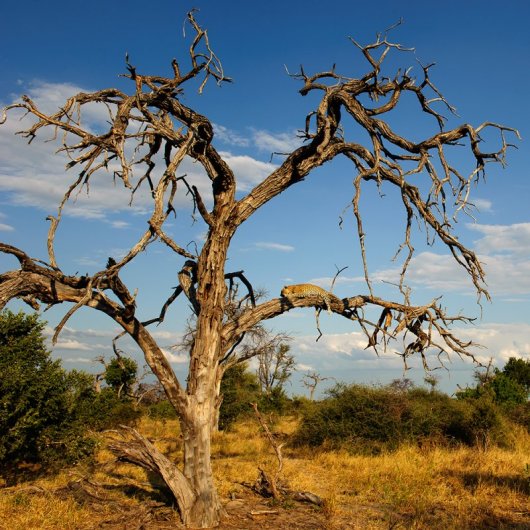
x: 303, y: 290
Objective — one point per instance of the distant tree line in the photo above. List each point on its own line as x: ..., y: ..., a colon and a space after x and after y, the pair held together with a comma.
x: 49, y: 416
x: 375, y: 418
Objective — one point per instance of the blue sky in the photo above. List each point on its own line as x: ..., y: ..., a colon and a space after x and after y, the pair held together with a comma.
x: 481, y: 53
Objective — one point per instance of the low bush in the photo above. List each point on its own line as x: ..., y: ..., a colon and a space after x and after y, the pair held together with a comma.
x: 47, y: 415
x: 239, y: 388
x: 369, y: 419
x: 162, y: 410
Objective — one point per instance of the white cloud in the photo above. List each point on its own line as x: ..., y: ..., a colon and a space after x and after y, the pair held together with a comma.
x: 351, y: 344
x: 496, y: 239
x: 277, y: 143
x: 483, y: 205
x: 177, y: 358
x: 70, y: 337
x: 229, y: 136
x: 326, y: 281
x: 283, y: 142
x: 304, y: 367
x: 6, y: 228
x: 72, y: 345
x: 501, y: 341
x: 35, y: 175
x: 274, y: 246
x: 504, y: 253
x: 83, y: 360
x: 507, y: 274
x: 50, y: 96
x: 248, y: 170
x: 498, y: 340
x: 169, y: 336
x: 120, y: 224
x: 435, y: 271
x: 88, y: 262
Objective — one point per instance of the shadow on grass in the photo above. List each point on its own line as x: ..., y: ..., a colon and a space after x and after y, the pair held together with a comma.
x: 492, y: 522
x: 488, y: 520
x: 159, y: 492
x: 472, y: 480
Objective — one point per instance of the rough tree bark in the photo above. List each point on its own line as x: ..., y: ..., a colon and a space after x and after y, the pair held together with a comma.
x: 153, y: 122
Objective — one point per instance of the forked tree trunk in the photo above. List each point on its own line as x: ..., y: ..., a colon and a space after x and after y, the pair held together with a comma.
x: 193, y: 489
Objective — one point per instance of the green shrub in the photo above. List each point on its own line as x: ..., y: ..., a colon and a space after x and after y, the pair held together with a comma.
x: 508, y: 390
x: 519, y: 414
x: 518, y: 370
x: 508, y: 387
x: 120, y: 374
x: 162, y: 410
x: 364, y: 419
x: 371, y: 419
x: 47, y: 415
x: 32, y: 387
x: 239, y: 388
x: 276, y: 402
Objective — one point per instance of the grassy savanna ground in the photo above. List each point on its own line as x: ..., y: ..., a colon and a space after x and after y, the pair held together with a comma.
x: 423, y: 488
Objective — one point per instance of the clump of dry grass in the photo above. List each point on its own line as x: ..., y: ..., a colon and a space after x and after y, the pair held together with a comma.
x: 435, y: 488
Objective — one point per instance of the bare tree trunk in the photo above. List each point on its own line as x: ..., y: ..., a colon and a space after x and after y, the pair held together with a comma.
x: 205, y: 376
x: 142, y: 452
x: 196, y: 429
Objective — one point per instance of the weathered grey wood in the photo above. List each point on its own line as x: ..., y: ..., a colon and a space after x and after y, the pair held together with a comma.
x: 142, y: 452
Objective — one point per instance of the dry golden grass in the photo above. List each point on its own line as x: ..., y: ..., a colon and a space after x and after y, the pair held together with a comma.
x: 408, y: 488
x: 432, y: 488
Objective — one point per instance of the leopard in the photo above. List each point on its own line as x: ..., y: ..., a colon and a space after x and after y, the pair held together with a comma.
x: 303, y: 290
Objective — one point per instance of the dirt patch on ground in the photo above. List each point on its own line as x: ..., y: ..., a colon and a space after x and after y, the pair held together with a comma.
x: 253, y: 513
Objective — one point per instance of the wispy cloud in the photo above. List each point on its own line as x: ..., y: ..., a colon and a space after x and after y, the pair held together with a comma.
x: 35, y: 175
x: 6, y: 228
x: 248, y: 170
x: 332, y: 347
x: 230, y: 137
x: 483, y: 205
x: 264, y: 245
x: 73, y: 345
x: 304, y: 367
x: 177, y: 358
x: 428, y: 269
x: 326, y: 281
x: 496, y: 239
x: 498, y: 340
x: 281, y: 142
x: 170, y: 337
x: 501, y: 341
x: 82, y: 360
x: 504, y: 252
x: 284, y: 142
x: 120, y: 224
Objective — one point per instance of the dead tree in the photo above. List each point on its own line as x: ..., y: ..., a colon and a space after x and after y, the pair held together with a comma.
x: 311, y: 381
x: 275, y: 367
x: 152, y: 127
